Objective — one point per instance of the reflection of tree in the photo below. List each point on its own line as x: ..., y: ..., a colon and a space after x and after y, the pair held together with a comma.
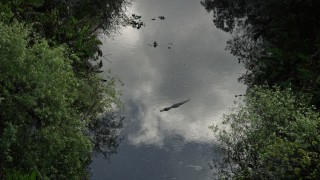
x: 75, y: 23
x: 278, y: 41
x: 227, y: 13
x: 105, y: 134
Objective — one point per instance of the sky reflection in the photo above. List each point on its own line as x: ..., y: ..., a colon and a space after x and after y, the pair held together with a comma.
x: 175, y: 143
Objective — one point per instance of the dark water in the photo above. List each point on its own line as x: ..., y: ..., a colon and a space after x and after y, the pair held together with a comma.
x: 190, y: 62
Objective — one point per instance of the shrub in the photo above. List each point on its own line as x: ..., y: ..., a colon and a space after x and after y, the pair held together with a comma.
x: 273, y: 134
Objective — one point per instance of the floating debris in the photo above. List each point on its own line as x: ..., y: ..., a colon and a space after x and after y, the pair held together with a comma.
x: 135, y: 21
x: 135, y: 24
x: 161, y: 17
x: 153, y: 19
x: 154, y: 44
x: 136, y: 16
x: 239, y: 95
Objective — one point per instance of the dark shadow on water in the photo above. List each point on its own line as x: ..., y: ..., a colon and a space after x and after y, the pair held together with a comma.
x: 105, y: 134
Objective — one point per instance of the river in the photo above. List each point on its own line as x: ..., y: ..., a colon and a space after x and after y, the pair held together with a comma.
x: 189, y: 62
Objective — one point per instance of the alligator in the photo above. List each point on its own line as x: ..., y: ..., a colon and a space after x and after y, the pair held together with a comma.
x: 174, y: 105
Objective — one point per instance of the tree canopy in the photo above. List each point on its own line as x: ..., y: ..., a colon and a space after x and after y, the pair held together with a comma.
x: 55, y: 107
x: 72, y: 22
x: 273, y: 134
x: 278, y: 41
x: 41, y: 130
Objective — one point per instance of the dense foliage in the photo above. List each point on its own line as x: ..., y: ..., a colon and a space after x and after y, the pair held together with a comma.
x: 278, y: 41
x: 72, y: 22
x: 274, y: 134
x: 55, y: 108
x: 39, y: 123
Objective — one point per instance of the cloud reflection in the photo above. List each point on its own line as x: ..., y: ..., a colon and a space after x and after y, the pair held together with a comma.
x: 197, y: 67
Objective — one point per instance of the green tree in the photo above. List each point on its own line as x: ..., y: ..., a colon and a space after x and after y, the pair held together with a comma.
x: 55, y: 108
x: 71, y: 22
x: 77, y: 25
x: 41, y: 129
x: 273, y: 134
x: 278, y: 41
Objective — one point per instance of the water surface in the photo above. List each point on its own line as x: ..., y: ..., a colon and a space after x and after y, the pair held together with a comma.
x: 190, y: 62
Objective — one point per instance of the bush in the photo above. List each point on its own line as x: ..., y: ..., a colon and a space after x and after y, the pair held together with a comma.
x: 41, y: 128
x: 273, y: 134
